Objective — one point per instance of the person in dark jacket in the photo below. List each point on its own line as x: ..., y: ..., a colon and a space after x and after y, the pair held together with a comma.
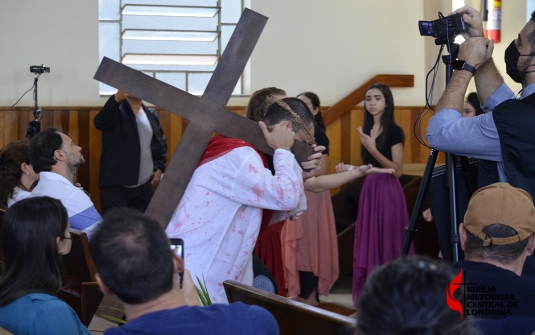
x: 133, y: 152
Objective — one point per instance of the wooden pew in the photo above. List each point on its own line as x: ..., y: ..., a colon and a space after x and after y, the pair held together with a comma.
x: 80, y: 289
x: 292, y: 317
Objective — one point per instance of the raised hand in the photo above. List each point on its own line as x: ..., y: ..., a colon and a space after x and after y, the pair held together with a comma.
x: 368, y: 141
x: 313, y: 165
x: 476, y: 51
x: 472, y: 18
x: 120, y: 95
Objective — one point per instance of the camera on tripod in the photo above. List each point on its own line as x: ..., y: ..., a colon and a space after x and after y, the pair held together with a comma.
x: 39, y: 69
x: 444, y: 28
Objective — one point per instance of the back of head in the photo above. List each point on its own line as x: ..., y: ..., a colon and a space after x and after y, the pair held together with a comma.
x: 11, y: 158
x: 277, y: 113
x: 473, y: 100
x: 315, y: 100
x: 499, y: 220
x: 132, y: 255
x: 42, y: 148
x: 260, y: 101
x: 408, y: 297
x: 30, y: 259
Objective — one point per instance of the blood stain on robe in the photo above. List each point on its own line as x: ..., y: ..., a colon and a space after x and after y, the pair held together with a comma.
x: 257, y: 191
x: 253, y: 168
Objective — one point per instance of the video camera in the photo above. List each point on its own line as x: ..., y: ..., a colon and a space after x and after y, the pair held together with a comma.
x: 39, y: 69
x: 443, y: 29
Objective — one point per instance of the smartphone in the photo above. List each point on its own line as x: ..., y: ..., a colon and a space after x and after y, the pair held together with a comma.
x: 178, y: 245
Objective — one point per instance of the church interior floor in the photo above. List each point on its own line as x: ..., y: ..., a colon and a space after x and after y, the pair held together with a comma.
x: 340, y: 299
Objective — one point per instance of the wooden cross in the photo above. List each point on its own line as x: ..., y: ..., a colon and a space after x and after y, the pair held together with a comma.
x: 206, y: 115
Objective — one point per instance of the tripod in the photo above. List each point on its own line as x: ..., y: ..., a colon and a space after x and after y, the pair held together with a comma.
x: 450, y: 175
x: 35, y: 125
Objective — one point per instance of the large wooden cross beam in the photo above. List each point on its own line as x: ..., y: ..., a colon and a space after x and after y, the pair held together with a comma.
x: 206, y: 115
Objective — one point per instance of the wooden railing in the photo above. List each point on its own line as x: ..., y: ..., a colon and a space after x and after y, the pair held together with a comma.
x: 77, y: 122
x: 345, y: 105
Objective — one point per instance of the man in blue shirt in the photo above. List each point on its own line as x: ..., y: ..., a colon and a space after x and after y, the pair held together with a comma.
x: 135, y: 263
x: 495, y: 134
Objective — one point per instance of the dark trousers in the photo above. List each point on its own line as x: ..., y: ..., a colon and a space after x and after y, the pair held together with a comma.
x: 119, y: 196
x: 308, y: 283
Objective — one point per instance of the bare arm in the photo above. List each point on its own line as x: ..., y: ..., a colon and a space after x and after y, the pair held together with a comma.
x: 397, y: 159
x: 453, y: 96
x: 347, y: 174
x: 488, y: 79
x: 476, y: 51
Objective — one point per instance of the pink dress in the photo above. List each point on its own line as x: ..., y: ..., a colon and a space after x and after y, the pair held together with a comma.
x: 310, y: 244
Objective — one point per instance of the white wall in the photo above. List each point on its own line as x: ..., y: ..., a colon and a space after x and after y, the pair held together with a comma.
x: 329, y: 47
x: 61, y: 34
x: 332, y: 47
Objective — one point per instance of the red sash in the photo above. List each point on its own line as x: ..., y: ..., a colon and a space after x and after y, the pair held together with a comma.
x: 220, y: 145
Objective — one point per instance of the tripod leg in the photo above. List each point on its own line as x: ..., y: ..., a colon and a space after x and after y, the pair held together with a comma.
x: 411, y: 230
x: 454, y: 210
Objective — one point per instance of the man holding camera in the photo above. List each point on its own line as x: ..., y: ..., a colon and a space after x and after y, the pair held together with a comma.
x: 503, y: 134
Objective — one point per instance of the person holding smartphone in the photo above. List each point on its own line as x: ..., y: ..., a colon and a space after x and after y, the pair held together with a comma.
x: 135, y: 264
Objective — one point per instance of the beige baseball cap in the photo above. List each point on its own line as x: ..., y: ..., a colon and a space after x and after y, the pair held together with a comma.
x: 504, y: 204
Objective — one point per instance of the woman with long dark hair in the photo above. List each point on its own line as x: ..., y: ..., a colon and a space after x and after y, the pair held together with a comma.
x: 34, y: 238
x: 17, y: 177
x: 382, y: 211
x: 310, y: 247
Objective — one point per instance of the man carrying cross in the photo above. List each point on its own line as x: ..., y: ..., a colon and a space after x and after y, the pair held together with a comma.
x: 219, y: 216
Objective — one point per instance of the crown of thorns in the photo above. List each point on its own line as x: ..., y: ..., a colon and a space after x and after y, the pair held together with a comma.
x: 298, y: 120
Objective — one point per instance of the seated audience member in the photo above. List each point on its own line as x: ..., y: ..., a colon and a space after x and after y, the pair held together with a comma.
x: 135, y: 263
x: 513, y: 325
x: 34, y: 243
x: 17, y: 177
x: 408, y: 297
x: 497, y: 237
x: 56, y: 158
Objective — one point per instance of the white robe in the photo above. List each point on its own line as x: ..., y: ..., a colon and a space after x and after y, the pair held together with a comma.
x: 220, y: 213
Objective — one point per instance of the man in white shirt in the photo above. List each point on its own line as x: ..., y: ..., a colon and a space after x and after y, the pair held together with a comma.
x: 220, y: 214
x: 56, y: 158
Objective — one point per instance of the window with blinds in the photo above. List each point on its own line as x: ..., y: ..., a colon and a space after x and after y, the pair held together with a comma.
x: 176, y: 41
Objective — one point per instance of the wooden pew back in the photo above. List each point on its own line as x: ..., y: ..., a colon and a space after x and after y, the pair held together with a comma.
x: 80, y: 289
x: 292, y: 317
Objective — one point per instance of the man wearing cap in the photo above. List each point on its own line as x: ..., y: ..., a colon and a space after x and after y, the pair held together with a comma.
x: 497, y: 237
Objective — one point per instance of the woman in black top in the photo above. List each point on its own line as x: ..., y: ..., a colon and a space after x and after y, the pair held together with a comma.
x: 382, y: 214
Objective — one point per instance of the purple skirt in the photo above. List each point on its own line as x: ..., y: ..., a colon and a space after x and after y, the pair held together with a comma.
x: 379, y: 235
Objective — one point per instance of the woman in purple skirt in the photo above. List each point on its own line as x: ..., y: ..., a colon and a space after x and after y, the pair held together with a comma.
x: 382, y: 213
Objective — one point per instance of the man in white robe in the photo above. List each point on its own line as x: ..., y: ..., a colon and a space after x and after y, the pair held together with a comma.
x: 220, y: 214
